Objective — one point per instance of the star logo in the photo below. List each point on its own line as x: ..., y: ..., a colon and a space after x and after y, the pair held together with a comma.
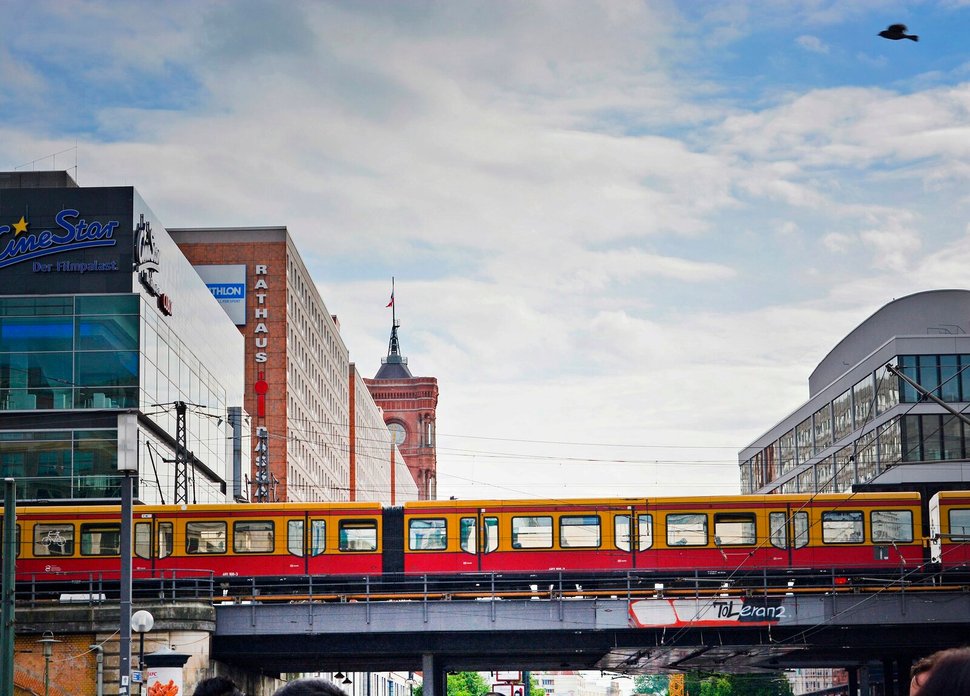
x: 19, y: 227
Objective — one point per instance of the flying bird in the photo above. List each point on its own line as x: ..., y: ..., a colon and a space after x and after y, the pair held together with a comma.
x: 895, y: 32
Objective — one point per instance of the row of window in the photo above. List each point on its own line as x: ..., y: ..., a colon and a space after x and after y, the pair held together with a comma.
x: 579, y: 531
x: 945, y: 376
x: 255, y: 536
x: 682, y: 529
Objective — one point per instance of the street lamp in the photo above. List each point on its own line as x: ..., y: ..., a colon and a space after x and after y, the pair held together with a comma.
x: 141, y: 623
x: 48, y: 644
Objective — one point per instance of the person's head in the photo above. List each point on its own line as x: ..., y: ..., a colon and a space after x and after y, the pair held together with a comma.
x: 217, y: 686
x: 310, y: 687
x: 944, y: 673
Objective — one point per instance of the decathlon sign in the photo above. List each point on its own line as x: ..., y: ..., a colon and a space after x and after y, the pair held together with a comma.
x: 227, y: 283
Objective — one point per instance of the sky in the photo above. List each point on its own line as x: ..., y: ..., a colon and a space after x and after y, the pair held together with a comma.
x: 622, y: 233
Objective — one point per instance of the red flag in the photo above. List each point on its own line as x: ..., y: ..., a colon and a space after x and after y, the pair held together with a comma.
x: 391, y: 303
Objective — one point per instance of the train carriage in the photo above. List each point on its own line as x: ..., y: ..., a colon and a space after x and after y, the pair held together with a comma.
x: 276, y: 540
x: 718, y: 534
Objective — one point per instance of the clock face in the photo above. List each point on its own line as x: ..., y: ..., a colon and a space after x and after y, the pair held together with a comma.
x: 398, y: 433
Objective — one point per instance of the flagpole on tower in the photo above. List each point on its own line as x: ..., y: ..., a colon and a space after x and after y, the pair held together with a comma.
x: 393, y: 349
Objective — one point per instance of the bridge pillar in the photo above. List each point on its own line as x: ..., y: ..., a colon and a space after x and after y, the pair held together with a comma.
x: 853, y: 680
x: 435, y: 680
x: 864, y: 689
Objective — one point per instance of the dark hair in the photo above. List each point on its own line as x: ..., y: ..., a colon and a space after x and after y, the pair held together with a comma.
x: 949, y: 673
x: 217, y: 686
x: 310, y: 687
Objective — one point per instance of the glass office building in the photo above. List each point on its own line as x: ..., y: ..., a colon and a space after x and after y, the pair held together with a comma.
x: 100, y: 314
x: 887, y: 407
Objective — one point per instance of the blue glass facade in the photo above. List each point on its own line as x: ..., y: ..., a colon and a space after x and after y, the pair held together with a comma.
x: 115, y: 321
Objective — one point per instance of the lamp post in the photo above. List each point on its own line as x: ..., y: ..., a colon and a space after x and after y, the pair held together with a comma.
x: 141, y: 623
x: 48, y: 644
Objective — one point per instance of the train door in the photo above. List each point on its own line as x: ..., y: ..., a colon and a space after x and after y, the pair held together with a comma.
x: 306, y: 542
x: 936, y: 529
x: 633, y: 534
x: 478, y: 537
x: 788, y: 532
x: 153, y: 542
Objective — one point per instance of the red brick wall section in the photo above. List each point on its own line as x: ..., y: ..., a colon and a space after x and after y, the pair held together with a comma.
x: 72, y: 668
x: 273, y: 256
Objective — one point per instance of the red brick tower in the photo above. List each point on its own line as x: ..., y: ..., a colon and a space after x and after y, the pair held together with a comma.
x: 409, y: 405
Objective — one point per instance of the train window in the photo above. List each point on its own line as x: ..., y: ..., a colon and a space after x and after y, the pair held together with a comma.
x: 580, y: 531
x: 358, y: 535
x: 778, y: 529
x: 166, y: 539
x: 427, y: 535
x: 959, y: 525
x: 53, y: 539
x: 621, y: 532
x: 253, y: 537
x: 467, y: 533
x: 843, y: 527
x: 294, y: 537
x: 801, y: 529
x: 143, y: 539
x: 734, y: 529
x: 491, y: 534
x: 100, y: 539
x: 205, y: 537
x: 645, y: 524
x: 778, y: 523
x: 531, y: 532
x: 689, y: 529
x: 318, y: 537
x: 891, y: 525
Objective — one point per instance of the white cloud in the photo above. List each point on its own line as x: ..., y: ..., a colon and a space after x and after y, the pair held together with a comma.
x: 812, y: 44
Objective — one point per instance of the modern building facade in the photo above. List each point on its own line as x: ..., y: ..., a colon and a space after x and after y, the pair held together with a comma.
x: 309, y: 428
x: 410, y: 407
x: 101, y: 314
x: 886, y: 407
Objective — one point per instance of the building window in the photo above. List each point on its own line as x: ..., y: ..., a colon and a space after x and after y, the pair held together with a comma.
x: 825, y: 475
x: 866, y: 457
x: 786, y: 451
x: 842, y: 414
x: 890, y: 446
x: 887, y: 392
x: 803, y: 440
x: 822, y: 421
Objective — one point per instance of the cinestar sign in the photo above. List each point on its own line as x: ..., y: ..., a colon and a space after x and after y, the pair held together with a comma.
x: 147, y: 264
x: 73, y: 233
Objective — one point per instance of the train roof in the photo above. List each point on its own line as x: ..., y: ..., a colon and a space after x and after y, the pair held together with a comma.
x: 686, y: 500
x: 213, y: 507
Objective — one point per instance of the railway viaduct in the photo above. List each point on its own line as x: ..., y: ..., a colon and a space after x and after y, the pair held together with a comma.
x: 255, y: 640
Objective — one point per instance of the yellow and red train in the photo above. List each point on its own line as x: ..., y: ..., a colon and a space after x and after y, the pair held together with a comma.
x: 720, y: 535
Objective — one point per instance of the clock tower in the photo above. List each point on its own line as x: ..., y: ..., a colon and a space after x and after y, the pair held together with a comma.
x: 409, y: 405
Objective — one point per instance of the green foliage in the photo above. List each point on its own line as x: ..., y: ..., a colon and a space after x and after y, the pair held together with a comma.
x: 771, y: 684
x: 534, y: 688
x: 462, y: 684
x: 650, y: 684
